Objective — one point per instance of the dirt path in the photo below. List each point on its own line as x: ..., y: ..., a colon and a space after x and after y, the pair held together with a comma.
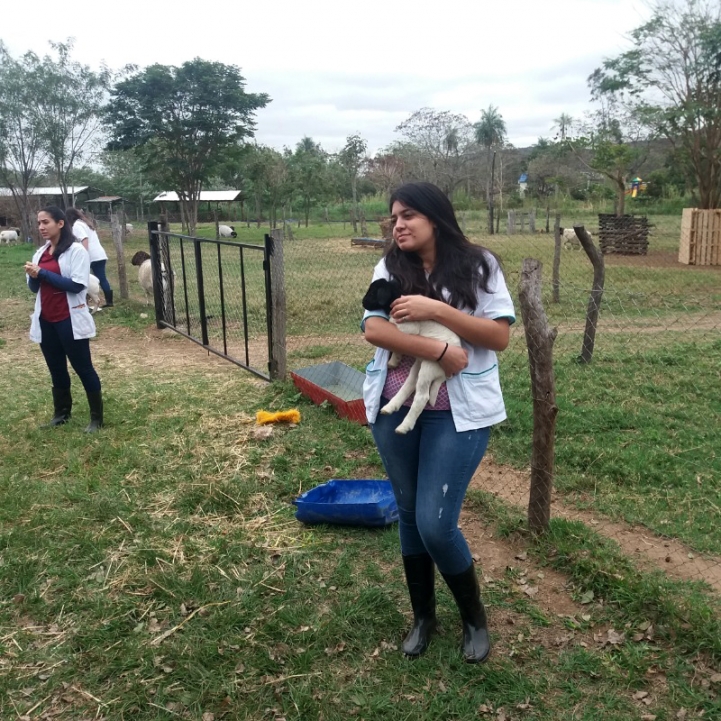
x: 643, y: 546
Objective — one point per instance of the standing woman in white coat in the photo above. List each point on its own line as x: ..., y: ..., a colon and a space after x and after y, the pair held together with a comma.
x: 61, y: 322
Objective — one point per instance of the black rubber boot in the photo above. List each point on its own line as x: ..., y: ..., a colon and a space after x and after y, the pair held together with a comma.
x: 95, y: 401
x: 108, y: 299
x: 465, y: 589
x: 420, y: 577
x: 63, y: 403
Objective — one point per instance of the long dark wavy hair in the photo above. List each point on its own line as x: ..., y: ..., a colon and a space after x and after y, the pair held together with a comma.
x: 461, y: 268
x: 66, y: 232
x: 73, y: 214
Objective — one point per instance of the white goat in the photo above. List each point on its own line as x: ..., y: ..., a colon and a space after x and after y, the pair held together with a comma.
x: 9, y: 236
x: 425, y: 377
x: 227, y: 231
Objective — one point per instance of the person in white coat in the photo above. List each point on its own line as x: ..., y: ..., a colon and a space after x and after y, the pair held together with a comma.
x: 444, y: 278
x: 61, y: 322
x: 84, y: 231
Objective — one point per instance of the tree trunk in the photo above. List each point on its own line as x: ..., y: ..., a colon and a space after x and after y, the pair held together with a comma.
x: 621, y: 206
x: 355, y: 205
x: 117, y: 228
x: 594, y: 301
x: 540, y: 339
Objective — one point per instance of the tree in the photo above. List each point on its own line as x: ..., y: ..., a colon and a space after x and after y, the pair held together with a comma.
x: 442, y: 143
x: 308, y: 173
x: 66, y: 104
x: 182, y: 120
x: 490, y: 134
x: 22, y: 154
x: 352, y: 158
x: 673, y: 75
x: 615, y: 142
x: 562, y: 125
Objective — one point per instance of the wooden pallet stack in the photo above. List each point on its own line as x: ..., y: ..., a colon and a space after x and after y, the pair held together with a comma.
x: 624, y: 235
x: 700, y: 237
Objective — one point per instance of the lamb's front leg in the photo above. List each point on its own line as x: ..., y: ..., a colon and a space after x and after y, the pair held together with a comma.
x: 427, y: 376
x: 405, y: 390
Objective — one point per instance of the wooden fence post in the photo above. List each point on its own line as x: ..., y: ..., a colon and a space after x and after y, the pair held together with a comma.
x: 557, y: 259
x: 532, y: 221
x: 118, y: 233
x: 540, y: 339
x: 279, y: 367
x: 511, y: 228
x: 594, y: 301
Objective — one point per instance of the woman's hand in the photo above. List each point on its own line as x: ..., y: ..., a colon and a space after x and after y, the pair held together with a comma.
x: 414, y: 307
x: 454, y: 360
x: 31, y: 269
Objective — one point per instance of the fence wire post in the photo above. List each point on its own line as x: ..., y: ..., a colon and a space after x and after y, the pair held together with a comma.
x: 276, y: 300
x: 201, y: 291
x: 155, y: 259
x: 539, y: 339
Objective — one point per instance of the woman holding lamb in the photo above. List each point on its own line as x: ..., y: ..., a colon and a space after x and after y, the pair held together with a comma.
x: 445, y: 278
x: 61, y: 322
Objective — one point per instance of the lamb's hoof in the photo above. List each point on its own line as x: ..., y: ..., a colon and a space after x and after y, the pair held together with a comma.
x: 402, y: 431
x: 387, y: 410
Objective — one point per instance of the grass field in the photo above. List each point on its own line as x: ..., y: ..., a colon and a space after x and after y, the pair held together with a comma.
x: 156, y: 571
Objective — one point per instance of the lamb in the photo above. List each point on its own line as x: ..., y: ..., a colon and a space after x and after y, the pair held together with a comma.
x: 128, y: 229
x: 570, y: 239
x: 9, y: 236
x: 425, y: 377
x: 93, y: 294
x: 227, y: 231
x: 145, y: 274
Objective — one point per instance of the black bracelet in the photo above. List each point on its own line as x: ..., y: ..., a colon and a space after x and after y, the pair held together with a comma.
x: 438, y: 360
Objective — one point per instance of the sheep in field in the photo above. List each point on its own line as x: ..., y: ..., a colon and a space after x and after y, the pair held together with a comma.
x: 425, y: 377
x: 145, y: 274
x: 570, y: 239
x: 227, y: 231
x: 9, y: 236
x: 128, y: 229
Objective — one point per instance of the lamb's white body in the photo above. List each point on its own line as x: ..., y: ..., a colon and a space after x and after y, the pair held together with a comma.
x: 425, y: 377
x: 8, y: 236
x: 93, y: 294
x: 570, y: 239
x: 145, y: 279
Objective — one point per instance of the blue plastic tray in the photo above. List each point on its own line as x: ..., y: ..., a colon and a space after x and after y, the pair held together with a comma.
x: 349, y: 503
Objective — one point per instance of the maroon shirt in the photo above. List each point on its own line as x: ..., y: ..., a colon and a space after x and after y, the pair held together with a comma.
x: 53, y: 301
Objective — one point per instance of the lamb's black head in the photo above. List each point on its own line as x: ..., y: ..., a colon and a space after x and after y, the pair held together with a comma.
x: 381, y: 294
x: 140, y: 257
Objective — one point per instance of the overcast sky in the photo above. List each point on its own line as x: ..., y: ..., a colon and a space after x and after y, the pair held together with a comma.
x: 333, y: 68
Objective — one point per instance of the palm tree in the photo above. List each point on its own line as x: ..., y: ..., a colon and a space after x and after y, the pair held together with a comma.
x: 490, y: 133
x: 562, y: 125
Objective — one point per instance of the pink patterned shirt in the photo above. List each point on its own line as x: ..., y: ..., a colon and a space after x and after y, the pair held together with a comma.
x: 397, y: 377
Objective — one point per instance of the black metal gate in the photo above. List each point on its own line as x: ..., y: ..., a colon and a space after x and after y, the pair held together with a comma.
x: 216, y: 293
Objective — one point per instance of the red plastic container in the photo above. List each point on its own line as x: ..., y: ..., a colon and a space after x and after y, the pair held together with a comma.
x: 338, y: 384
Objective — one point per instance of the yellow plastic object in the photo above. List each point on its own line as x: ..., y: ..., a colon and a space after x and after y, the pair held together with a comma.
x: 291, y: 416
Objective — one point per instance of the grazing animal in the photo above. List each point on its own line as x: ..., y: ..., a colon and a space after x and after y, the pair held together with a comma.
x: 570, y: 239
x: 227, y: 231
x: 145, y: 274
x: 128, y: 229
x: 425, y: 377
x: 8, y: 236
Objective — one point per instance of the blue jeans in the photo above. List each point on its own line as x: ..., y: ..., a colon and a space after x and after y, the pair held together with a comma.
x: 59, y: 347
x: 430, y: 469
x: 97, y: 268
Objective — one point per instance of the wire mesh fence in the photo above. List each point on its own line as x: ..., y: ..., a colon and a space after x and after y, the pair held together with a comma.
x: 637, y: 429
x: 636, y: 439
